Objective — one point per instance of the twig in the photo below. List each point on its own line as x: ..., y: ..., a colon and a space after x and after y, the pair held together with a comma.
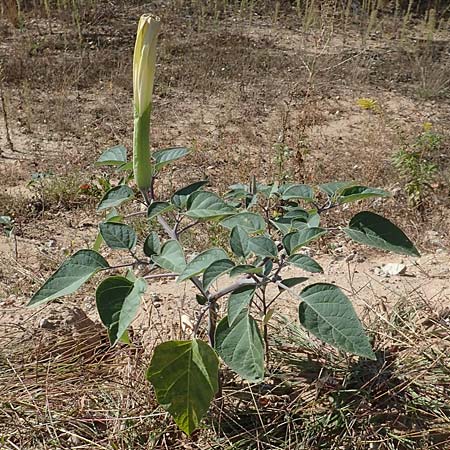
x: 5, y: 119
x: 157, y: 276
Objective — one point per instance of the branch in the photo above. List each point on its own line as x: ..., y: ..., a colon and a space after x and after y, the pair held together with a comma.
x: 156, y: 276
x: 232, y: 287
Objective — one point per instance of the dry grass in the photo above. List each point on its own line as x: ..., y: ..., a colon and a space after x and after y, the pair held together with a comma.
x: 274, y: 84
x: 71, y: 391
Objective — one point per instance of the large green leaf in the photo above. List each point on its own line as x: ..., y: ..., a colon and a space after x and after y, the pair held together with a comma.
x: 239, y: 242
x: 354, y: 193
x: 305, y: 262
x: 171, y: 257
x: 115, y: 197
x: 241, y: 346
x: 297, y: 192
x: 374, y: 230
x: 114, y: 156
x: 72, y: 274
x: 201, y: 262
x: 118, y: 300
x: 184, y: 375
x: 263, y: 246
x: 293, y: 241
x: 238, y: 301
x: 215, y: 270
x: 180, y: 197
x: 152, y: 244
x: 166, y: 156
x: 250, y: 222
x: 157, y: 208
x: 118, y: 235
x: 328, y: 314
x: 206, y: 205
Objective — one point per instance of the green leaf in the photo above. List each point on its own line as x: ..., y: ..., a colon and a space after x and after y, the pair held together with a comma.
x: 201, y: 300
x: 305, y: 262
x: 239, y: 242
x: 313, y: 220
x: 282, y: 224
x: 296, y: 214
x: 245, y: 268
x: 293, y: 241
x: 291, y: 282
x: 201, y: 262
x: 328, y: 314
x: 112, y: 216
x: 118, y: 235
x: 215, y: 270
x: 263, y: 246
x: 180, y: 197
x: 118, y: 300
x: 72, y: 274
x: 152, y: 245
x: 250, y: 222
x: 238, y: 301
x: 354, y: 193
x: 184, y: 375
x: 334, y: 188
x: 171, y: 257
x: 241, y: 346
x: 376, y: 231
x: 115, y: 197
x: 298, y: 192
x: 206, y: 205
x: 168, y: 155
x: 114, y: 156
x: 157, y: 208
x: 6, y: 221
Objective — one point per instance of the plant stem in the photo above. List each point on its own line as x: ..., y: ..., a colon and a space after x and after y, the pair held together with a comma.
x: 265, y: 328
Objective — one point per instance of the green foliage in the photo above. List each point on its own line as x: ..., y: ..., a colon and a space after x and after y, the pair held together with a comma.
x: 328, y: 314
x: 266, y: 226
x: 118, y: 235
x: 118, y: 300
x: 115, y: 197
x: 415, y: 165
x: 72, y: 274
x: 114, y: 156
x: 241, y: 347
x: 168, y: 155
x: 184, y: 375
x: 374, y: 230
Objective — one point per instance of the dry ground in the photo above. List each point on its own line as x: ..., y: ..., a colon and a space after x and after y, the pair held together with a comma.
x: 253, y: 90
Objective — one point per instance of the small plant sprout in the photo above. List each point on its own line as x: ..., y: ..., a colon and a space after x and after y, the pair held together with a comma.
x: 415, y: 165
x: 266, y: 224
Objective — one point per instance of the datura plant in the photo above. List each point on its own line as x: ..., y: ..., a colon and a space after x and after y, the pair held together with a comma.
x: 268, y: 226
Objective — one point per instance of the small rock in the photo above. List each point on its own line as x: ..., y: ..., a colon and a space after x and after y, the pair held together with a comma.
x: 47, y: 324
x: 393, y: 269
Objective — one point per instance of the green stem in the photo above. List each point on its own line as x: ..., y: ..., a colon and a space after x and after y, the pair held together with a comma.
x: 142, y: 166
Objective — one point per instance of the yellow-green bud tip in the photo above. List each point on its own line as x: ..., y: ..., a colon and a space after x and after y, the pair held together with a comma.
x: 144, y: 62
